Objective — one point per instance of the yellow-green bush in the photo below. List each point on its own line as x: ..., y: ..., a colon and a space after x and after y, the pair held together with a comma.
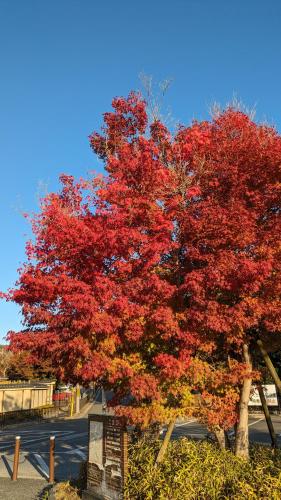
x: 200, y: 471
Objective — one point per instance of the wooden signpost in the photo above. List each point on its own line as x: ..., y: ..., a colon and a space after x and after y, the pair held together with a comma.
x: 107, y: 458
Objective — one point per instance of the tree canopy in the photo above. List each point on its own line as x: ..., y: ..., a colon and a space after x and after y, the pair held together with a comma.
x: 151, y: 278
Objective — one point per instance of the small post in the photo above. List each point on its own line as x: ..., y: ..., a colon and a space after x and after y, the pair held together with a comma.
x: 16, y: 459
x: 267, y: 417
x: 270, y: 366
x: 77, y: 398
x: 72, y: 402
x: 52, y: 460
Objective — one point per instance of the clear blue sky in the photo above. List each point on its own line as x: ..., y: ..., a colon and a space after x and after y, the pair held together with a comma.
x: 62, y: 61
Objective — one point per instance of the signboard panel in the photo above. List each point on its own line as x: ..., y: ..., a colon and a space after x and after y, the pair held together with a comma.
x: 96, y: 443
x: 270, y: 395
x: 107, y: 464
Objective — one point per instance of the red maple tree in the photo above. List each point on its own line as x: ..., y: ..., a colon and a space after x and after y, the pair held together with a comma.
x: 155, y: 278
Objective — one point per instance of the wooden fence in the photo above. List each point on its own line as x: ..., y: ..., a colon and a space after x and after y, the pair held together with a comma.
x: 25, y: 396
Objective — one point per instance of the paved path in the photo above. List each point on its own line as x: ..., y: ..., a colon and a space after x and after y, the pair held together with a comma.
x: 22, y: 489
x: 258, y: 431
x: 71, y: 438
x: 71, y: 446
x: 70, y: 449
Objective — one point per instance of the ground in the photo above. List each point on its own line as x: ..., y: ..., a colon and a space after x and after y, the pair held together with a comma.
x: 258, y: 431
x: 25, y: 489
x: 71, y: 449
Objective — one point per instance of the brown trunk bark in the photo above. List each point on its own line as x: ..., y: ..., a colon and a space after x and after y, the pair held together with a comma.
x: 267, y: 417
x: 242, y: 433
x: 220, y: 437
x: 270, y: 366
x: 165, y: 443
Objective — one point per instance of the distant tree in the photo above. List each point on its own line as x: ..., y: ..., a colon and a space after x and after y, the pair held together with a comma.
x: 5, y: 357
x: 22, y: 366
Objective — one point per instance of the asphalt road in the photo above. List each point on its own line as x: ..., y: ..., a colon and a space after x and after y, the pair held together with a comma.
x: 70, y: 448
x: 71, y: 444
x: 258, y: 431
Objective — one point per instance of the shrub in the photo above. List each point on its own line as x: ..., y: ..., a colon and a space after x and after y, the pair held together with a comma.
x: 200, y: 471
x: 65, y: 491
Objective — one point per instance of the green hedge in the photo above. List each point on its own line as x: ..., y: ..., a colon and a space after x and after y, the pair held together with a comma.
x: 200, y: 471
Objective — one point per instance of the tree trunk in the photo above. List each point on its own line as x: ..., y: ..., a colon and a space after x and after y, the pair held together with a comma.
x: 270, y: 366
x: 220, y: 437
x: 242, y: 433
x: 267, y: 417
x: 165, y: 443
x: 77, y: 398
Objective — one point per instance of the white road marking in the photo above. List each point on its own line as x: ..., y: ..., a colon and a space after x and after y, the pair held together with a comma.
x: 198, y: 436
x: 81, y: 448
x: 193, y: 421
x: 77, y: 435
x: 9, y: 433
x: 29, y: 439
x: 256, y: 421
x: 186, y: 423
x: 63, y: 435
x: 78, y: 452
x: 42, y: 464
